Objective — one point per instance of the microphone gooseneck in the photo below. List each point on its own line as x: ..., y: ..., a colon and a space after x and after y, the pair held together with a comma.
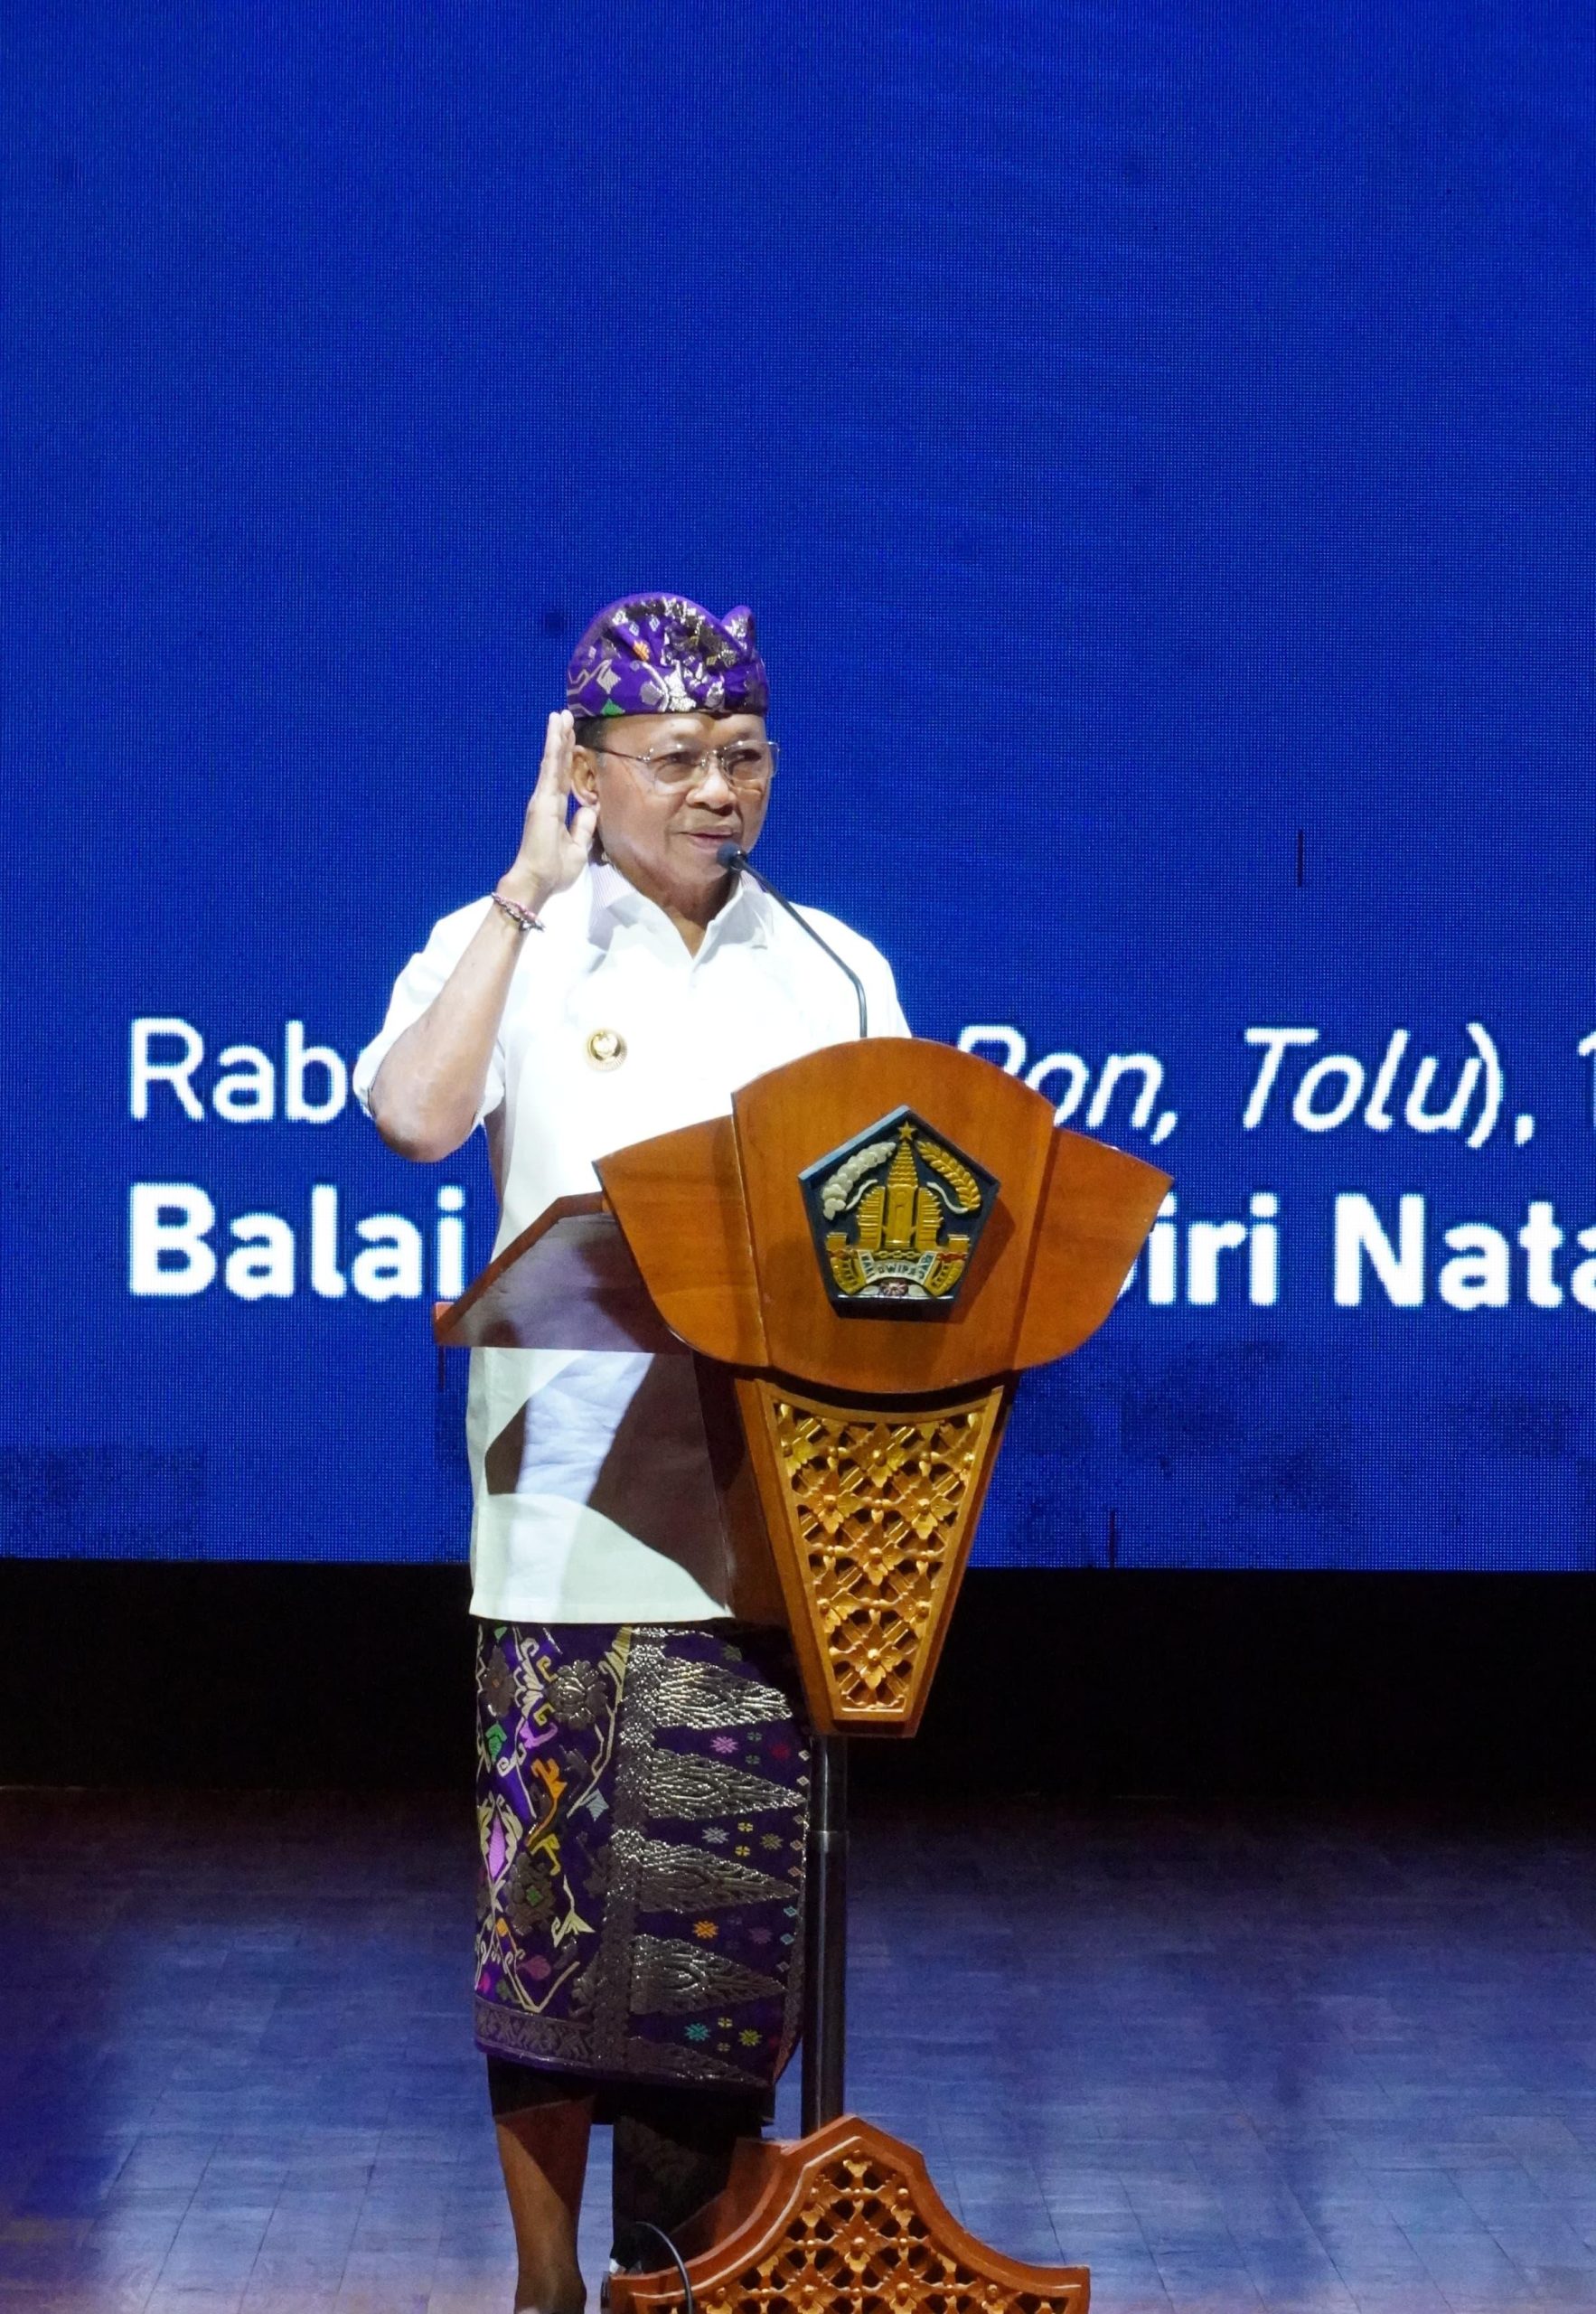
x: 732, y: 855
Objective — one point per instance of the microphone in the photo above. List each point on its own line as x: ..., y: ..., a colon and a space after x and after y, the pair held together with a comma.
x: 733, y: 856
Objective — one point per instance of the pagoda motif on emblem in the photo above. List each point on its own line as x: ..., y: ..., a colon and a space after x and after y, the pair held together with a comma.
x: 897, y: 1213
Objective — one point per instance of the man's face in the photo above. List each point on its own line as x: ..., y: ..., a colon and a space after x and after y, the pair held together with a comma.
x: 664, y: 835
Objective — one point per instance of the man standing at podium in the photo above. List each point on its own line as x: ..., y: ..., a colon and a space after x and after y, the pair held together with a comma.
x: 641, y: 1752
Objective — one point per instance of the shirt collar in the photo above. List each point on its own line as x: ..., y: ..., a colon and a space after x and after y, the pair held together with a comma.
x: 613, y: 901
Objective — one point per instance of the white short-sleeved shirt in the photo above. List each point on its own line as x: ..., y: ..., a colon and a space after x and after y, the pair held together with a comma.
x: 574, y: 1521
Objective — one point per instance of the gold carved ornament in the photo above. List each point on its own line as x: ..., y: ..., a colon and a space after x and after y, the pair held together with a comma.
x: 876, y: 1510
x: 865, y: 2232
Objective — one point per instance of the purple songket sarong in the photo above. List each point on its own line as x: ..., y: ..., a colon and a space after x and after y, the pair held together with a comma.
x: 641, y: 1801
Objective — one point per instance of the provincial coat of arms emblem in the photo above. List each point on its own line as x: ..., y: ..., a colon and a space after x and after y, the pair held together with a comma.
x: 896, y: 1213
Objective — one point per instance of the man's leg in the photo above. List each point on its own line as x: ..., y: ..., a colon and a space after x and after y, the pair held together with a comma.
x: 541, y: 2121
x: 672, y: 2153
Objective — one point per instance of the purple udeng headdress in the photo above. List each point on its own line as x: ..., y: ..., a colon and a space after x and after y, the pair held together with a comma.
x: 660, y: 655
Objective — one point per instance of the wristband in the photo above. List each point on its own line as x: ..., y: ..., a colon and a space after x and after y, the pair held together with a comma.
x: 522, y: 917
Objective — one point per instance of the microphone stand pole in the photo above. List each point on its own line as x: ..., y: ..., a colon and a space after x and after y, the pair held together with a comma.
x: 825, y: 1902
x: 825, y: 1934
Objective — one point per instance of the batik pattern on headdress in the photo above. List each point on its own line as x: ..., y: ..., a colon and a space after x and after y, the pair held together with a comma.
x: 660, y: 654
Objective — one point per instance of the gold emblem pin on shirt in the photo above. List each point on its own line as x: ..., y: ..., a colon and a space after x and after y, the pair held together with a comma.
x: 607, y: 1048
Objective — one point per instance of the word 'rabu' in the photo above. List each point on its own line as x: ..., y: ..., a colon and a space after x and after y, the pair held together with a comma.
x: 166, y: 1055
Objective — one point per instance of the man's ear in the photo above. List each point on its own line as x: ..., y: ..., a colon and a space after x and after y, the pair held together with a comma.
x: 584, y: 775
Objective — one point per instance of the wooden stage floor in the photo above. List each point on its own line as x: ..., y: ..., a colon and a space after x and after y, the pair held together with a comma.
x: 1230, y: 2060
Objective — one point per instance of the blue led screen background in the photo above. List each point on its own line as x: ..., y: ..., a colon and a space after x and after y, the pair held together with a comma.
x: 1157, y: 442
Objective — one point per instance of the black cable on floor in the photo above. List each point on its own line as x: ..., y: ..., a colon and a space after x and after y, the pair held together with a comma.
x: 625, y: 2253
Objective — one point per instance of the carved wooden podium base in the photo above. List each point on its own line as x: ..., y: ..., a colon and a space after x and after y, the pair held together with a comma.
x: 845, y: 2221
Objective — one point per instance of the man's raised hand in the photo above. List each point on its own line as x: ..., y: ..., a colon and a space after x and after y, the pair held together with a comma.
x: 552, y: 852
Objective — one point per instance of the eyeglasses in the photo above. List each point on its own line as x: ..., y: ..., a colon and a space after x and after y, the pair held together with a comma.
x: 749, y: 766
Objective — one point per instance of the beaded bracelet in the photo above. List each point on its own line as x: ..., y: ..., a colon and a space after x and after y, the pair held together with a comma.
x: 522, y: 917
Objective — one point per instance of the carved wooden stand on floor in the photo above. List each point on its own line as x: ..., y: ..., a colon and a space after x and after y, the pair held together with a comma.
x: 845, y: 2217
x: 864, y: 1257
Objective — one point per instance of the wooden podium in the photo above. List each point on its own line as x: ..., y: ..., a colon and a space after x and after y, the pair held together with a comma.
x: 864, y: 1257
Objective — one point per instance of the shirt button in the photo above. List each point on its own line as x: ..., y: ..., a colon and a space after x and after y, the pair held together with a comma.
x: 607, y: 1048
